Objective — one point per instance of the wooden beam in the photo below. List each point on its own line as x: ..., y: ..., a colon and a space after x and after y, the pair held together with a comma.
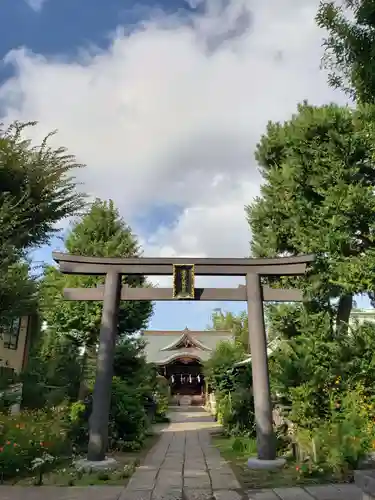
x: 206, y: 294
x: 151, y: 261
x: 167, y: 269
x: 282, y: 294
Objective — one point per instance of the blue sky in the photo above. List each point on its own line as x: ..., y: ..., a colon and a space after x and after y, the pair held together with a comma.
x: 164, y: 102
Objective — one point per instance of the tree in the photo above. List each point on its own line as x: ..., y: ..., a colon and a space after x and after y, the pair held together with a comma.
x: 18, y: 291
x: 350, y: 45
x: 101, y: 232
x: 238, y: 324
x: 232, y: 387
x: 318, y: 197
x: 37, y: 191
x: 218, y: 369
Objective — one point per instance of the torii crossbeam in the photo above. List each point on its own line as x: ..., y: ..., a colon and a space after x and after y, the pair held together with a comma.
x: 184, y: 270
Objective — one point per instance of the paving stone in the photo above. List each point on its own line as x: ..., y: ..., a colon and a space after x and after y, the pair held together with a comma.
x: 160, y: 493
x: 153, y: 461
x: 227, y: 495
x: 142, y: 480
x: 169, y: 480
x: 192, y: 494
x: 194, y: 472
x: 349, y: 491
x: 221, y: 469
x: 200, y: 482
x: 135, y: 495
x: 324, y: 492
x: 171, y: 466
x: 224, y: 481
x: 147, y: 468
x: 292, y: 494
x: 195, y: 465
x: 262, y: 495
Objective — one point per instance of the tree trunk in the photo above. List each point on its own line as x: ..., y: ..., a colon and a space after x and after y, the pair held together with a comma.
x: 343, y: 311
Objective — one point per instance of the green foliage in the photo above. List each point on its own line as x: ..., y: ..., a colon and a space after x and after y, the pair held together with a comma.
x: 232, y: 388
x: 244, y: 446
x: 162, y: 395
x: 235, y: 411
x: 18, y: 291
x: 37, y: 191
x: 218, y: 369
x: 133, y: 385
x: 341, y: 441
x: 311, y: 362
x: 130, y: 365
x: 128, y: 422
x: 101, y: 232
x: 130, y: 361
x: 30, y: 436
x: 349, y: 46
x: 77, y: 418
x: 318, y: 169
x: 52, y: 376
x: 237, y: 324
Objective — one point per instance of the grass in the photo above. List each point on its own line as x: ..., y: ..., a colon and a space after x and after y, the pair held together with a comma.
x: 237, y: 451
x: 67, y: 475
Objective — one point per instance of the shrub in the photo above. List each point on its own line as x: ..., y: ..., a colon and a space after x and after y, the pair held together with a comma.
x: 162, y: 399
x: 235, y: 411
x: 346, y: 437
x: 218, y: 369
x: 77, y: 419
x: 242, y: 420
x: 128, y: 422
x: 223, y: 407
x: 30, y: 436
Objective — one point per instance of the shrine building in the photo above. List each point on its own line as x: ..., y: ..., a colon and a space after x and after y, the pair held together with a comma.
x: 179, y: 357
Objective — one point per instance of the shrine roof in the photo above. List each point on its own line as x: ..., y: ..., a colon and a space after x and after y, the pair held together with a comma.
x: 163, y: 347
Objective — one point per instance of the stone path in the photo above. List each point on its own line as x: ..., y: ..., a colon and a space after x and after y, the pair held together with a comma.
x: 183, y: 465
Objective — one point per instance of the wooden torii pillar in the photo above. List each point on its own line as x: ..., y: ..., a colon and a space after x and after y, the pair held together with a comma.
x: 184, y: 272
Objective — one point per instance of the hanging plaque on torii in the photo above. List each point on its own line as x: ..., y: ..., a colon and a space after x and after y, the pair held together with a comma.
x: 183, y: 281
x: 183, y: 272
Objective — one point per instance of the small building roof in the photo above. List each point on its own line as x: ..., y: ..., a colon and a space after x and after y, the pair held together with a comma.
x: 165, y: 346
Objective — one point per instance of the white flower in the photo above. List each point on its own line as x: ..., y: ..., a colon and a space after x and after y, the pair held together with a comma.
x: 39, y: 461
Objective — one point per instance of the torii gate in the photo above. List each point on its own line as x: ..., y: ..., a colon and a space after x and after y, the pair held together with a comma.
x: 184, y: 272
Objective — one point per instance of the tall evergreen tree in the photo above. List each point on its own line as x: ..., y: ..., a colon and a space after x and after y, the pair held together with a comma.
x: 318, y: 197
x: 100, y: 233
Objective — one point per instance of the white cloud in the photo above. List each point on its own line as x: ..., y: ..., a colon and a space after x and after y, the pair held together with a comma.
x: 36, y: 5
x: 171, y: 113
